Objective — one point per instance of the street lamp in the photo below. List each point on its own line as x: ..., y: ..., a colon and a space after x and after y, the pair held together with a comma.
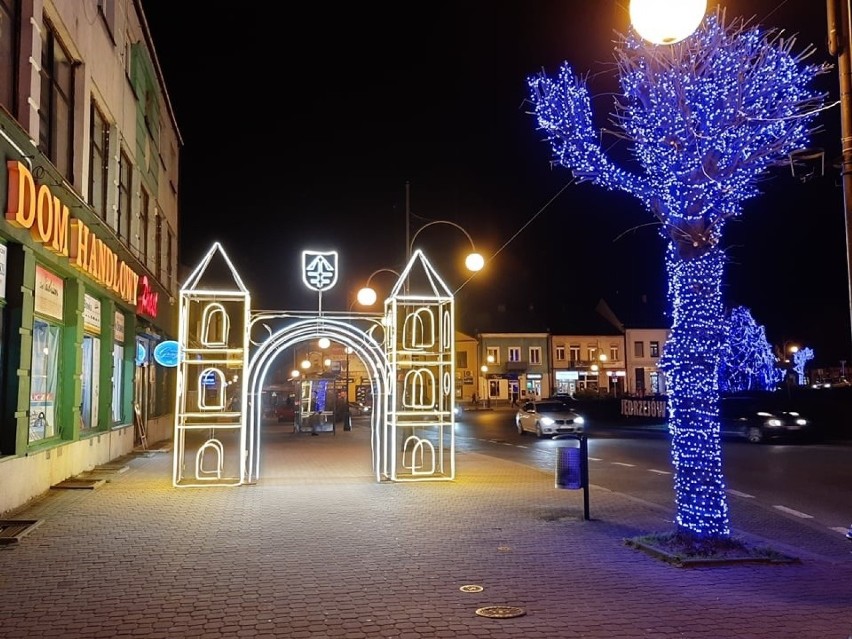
x: 666, y: 21
x: 474, y: 260
x: 487, y: 390
x: 644, y: 14
x: 367, y: 296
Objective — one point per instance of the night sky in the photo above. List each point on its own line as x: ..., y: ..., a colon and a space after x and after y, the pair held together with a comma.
x: 301, y: 131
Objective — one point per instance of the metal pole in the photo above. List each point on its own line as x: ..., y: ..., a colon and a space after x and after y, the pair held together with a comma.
x: 407, y: 227
x: 839, y: 42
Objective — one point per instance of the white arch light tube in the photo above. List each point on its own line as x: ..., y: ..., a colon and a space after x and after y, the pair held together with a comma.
x: 363, y: 345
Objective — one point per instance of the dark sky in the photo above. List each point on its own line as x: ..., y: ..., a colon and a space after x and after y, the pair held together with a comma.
x: 301, y: 130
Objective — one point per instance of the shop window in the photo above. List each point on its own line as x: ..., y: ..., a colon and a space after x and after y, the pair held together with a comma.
x: 56, y: 105
x: 90, y: 382
x: 45, y: 378
x: 117, y: 383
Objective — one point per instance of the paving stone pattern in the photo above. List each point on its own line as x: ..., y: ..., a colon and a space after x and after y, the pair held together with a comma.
x: 319, y: 549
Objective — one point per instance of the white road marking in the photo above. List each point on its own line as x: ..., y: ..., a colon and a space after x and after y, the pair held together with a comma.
x: 623, y: 464
x: 795, y: 513
x: 659, y: 472
x: 739, y: 494
x: 595, y: 458
x: 842, y: 531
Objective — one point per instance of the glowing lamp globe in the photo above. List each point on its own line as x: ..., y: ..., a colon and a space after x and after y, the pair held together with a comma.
x: 474, y: 262
x: 666, y: 21
x: 324, y: 342
x: 367, y: 296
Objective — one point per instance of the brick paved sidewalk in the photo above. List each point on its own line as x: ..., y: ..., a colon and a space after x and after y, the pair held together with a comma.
x: 318, y: 548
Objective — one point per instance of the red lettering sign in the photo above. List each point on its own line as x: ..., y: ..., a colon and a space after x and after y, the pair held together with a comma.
x: 147, y: 302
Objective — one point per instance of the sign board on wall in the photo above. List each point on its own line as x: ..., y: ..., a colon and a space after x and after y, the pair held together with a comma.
x: 91, y: 314
x: 49, y: 293
x: 118, y: 330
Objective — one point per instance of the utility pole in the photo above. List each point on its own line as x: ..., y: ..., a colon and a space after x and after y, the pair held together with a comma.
x: 839, y: 41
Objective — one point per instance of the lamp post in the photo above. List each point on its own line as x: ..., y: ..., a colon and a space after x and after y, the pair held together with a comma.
x: 366, y: 295
x: 648, y: 16
x: 474, y: 261
x: 485, y: 388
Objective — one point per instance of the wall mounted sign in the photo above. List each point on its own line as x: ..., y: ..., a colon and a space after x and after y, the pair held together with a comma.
x: 167, y: 353
x: 49, y: 292
x: 91, y: 314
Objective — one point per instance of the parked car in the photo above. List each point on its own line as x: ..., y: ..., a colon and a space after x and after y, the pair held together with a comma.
x: 548, y: 417
x: 759, y: 419
x: 285, y: 412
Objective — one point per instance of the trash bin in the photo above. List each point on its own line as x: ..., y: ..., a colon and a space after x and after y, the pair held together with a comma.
x: 572, y: 466
x: 569, y: 470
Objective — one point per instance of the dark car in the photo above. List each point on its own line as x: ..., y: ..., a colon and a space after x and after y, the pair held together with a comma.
x: 285, y: 412
x: 759, y: 419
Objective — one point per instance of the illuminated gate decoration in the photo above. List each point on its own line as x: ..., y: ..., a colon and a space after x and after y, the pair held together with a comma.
x: 210, y: 424
x: 408, y: 351
x: 419, y: 440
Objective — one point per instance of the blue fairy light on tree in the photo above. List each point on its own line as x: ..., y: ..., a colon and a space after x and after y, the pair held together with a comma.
x: 800, y: 358
x: 746, y: 359
x: 706, y: 118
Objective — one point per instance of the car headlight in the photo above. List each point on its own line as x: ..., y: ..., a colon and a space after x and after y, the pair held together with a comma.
x: 801, y: 422
x: 547, y: 421
x: 579, y: 420
x: 774, y: 422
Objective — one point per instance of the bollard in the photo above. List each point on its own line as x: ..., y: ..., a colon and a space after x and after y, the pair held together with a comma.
x: 572, y: 467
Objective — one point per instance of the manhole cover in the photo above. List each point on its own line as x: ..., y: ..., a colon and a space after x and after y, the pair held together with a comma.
x: 471, y: 588
x: 501, y: 612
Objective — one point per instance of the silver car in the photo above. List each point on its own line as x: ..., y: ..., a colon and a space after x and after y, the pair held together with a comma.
x: 548, y: 417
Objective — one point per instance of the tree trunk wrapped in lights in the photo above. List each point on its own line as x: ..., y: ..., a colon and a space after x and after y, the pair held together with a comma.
x: 706, y: 119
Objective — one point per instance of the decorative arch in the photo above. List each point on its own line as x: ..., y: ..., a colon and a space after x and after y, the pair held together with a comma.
x: 362, y: 344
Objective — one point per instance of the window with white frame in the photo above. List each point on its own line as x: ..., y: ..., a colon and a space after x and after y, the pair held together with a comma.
x: 560, y: 353
x: 592, y: 353
x: 514, y: 354
x: 56, y: 104
x: 492, y: 355
x: 535, y: 354
x: 655, y: 349
x: 574, y: 352
x: 142, y: 234
x: 123, y: 212
x: 98, y: 161
x: 613, y: 352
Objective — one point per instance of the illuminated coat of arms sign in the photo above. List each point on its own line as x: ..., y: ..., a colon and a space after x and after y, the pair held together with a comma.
x: 319, y: 269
